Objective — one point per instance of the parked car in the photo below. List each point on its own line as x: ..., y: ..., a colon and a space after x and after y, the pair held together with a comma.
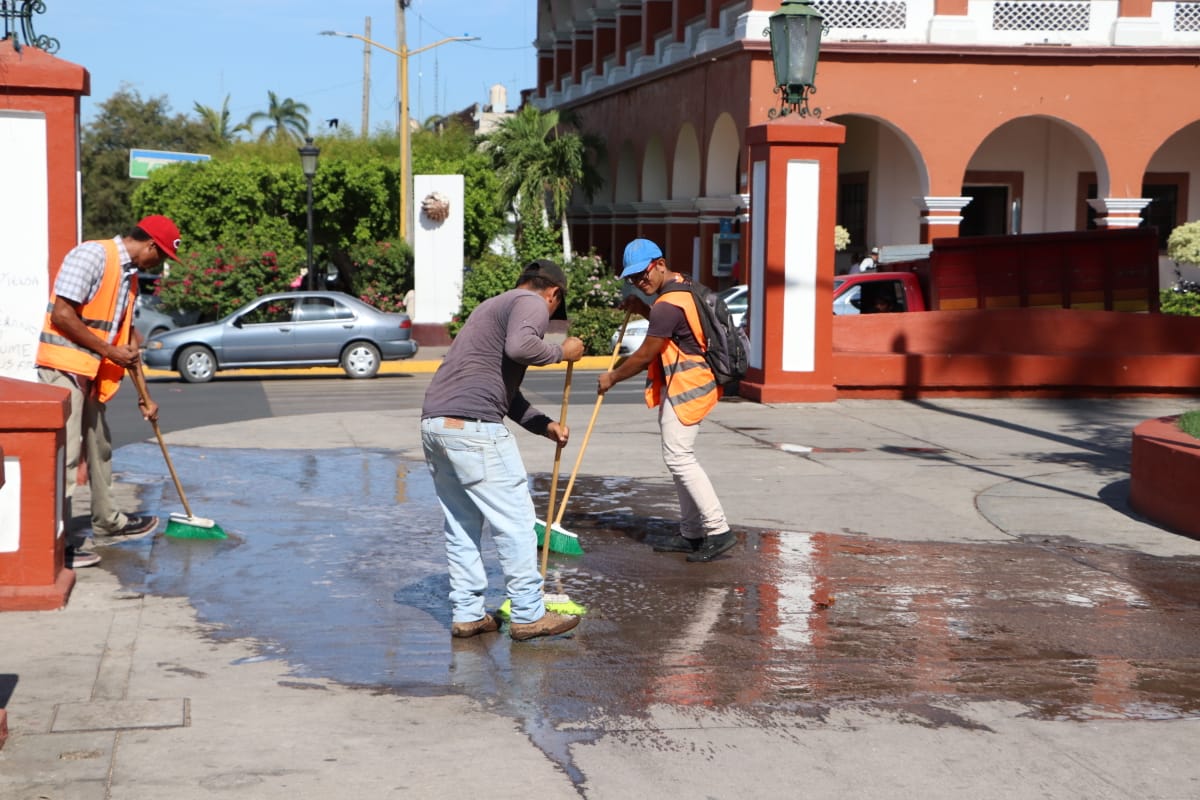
x: 149, y: 317
x: 288, y: 329
x: 736, y: 300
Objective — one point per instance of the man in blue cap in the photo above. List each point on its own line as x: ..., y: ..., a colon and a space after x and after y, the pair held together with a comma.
x: 683, y: 388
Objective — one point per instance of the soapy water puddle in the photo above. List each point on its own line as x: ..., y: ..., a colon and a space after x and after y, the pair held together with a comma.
x: 336, y: 565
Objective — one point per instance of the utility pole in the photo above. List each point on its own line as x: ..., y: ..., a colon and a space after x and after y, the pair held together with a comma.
x: 366, y: 114
x: 402, y: 94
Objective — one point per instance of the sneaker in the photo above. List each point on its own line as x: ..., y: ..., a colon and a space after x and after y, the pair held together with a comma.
x: 77, y: 559
x: 712, y: 546
x: 135, y: 528
x: 465, y: 630
x: 676, y: 544
x: 551, y: 624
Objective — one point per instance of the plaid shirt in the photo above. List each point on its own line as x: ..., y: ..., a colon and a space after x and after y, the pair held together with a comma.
x: 79, y: 278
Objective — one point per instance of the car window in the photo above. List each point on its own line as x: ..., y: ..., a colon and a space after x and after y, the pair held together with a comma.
x: 322, y: 308
x: 271, y: 312
x: 849, y: 302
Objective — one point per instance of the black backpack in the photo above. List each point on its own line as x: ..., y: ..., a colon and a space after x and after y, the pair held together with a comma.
x: 727, y: 343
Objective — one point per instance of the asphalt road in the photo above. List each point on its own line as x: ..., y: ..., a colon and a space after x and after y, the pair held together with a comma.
x: 230, y: 398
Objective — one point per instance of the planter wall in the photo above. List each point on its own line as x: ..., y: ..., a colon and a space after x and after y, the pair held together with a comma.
x: 1165, y: 474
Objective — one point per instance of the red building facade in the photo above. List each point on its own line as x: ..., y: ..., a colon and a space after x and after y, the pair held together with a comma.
x: 962, y: 116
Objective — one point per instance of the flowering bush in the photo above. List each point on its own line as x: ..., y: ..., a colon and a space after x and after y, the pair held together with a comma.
x: 382, y: 272
x: 218, y: 279
x: 841, y: 238
x: 1183, y: 246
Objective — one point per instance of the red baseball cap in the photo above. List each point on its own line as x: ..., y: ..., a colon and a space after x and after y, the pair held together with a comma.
x: 164, y: 232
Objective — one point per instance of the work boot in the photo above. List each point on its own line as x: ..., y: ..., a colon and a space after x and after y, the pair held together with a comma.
x: 712, y: 546
x: 676, y: 544
x: 551, y: 624
x: 465, y: 630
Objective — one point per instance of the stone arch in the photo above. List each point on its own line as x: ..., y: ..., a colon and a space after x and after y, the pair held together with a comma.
x: 1177, y: 155
x: 626, y: 188
x: 654, y: 171
x: 724, y: 156
x: 880, y: 154
x: 1049, y: 154
x: 685, y: 172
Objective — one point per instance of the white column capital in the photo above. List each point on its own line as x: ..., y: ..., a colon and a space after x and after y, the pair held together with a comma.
x: 1120, y: 212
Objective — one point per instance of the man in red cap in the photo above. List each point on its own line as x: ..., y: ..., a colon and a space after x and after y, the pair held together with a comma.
x: 87, y: 343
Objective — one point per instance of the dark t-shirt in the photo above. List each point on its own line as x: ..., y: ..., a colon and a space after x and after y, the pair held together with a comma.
x: 668, y: 321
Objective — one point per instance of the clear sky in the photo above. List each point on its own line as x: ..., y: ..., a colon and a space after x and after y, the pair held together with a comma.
x: 200, y: 50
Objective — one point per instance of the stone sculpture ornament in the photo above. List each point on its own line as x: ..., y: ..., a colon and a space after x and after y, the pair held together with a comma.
x: 436, y: 207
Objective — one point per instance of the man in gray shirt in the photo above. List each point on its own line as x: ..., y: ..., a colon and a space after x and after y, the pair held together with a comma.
x: 477, y: 469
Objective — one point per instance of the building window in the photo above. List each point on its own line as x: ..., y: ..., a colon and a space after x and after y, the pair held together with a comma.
x: 852, y: 208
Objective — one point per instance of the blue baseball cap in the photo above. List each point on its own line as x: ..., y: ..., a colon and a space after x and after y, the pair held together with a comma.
x: 638, y: 255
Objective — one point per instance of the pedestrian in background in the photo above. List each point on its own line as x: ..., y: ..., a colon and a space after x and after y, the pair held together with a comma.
x: 87, y: 343
x: 683, y: 388
x: 477, y: 469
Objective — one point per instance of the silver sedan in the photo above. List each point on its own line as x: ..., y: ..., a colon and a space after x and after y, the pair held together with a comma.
x: 289, y: 329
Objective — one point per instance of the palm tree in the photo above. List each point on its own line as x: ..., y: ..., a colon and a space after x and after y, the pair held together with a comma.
x: 540, y: 165
x: 287, y: 119
x: 218, y: 121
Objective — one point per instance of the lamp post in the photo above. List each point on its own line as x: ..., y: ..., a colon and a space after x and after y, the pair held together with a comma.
x: 405, y: 156
x: 309, y: 154
x: 795, y: 31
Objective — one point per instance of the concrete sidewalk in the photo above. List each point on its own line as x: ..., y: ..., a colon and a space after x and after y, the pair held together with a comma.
x: 127, y: 694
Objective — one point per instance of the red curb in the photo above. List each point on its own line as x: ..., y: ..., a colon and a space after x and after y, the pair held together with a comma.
x: 1164, y: 475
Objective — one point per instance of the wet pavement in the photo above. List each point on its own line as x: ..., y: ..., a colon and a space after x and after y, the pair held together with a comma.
x: 336, y: 567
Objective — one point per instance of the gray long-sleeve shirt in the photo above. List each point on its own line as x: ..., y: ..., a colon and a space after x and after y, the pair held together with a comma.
x: 480, y: 377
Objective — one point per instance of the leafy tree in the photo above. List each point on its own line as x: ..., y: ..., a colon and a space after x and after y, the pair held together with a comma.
x: 540, y: 164
x: 127, y: 121
x: 218, y: 123
x: 286, y: 119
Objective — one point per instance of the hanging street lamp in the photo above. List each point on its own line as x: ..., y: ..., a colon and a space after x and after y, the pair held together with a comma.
x: 795, y: 31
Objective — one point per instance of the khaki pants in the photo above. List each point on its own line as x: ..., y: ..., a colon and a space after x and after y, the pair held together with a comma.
x: 87, y: 429
x: 699, y: 509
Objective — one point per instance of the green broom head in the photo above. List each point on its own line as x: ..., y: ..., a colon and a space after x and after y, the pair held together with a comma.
x: 562, y: 541
x: 558, y: 603
x: 181, y: 526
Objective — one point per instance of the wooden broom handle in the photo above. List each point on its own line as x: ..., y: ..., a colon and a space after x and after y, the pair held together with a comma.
x: 562, y: 419
x: 139, y: 380
x: 591, y: 423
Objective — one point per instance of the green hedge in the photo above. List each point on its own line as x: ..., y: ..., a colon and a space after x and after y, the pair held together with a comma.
x: 592, y: 295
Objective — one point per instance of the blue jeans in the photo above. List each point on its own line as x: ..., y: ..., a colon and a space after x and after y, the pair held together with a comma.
x: 479, y: 476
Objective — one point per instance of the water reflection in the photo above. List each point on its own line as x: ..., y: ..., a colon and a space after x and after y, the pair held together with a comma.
x: 336, y: 565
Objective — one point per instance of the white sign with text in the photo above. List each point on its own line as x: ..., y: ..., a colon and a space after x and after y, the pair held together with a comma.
x: 24, y: 230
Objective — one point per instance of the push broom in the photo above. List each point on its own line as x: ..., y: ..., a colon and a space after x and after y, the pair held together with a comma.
x: 178, y: 525
x: 560, y: 541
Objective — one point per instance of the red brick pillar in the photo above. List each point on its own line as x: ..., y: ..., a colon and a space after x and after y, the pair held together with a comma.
x: 793, y: 201
x: 32, y: 544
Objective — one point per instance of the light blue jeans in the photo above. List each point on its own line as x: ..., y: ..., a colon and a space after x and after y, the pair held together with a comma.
x: 479, y: 476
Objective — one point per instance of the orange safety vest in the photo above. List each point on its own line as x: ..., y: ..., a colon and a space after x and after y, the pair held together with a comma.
x: 57, y: 351
x: 691, y: 388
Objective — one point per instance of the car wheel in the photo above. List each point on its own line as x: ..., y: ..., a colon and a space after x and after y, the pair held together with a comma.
x: 361, y: 360
x: 197, y: 364
x: 158, y: 330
